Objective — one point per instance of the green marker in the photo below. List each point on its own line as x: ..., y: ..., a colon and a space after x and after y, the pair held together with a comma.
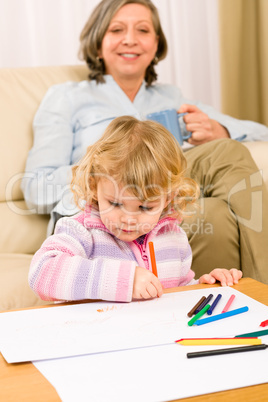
x: 253, y: 334
x: 198, y: 315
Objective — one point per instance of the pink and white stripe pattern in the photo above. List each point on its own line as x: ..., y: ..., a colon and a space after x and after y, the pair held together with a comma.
x: 83, y: 260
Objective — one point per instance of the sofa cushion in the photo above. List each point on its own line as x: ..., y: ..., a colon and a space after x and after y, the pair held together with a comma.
x: 14, y: 289
x: 23, y: 233
x: 22, y: 90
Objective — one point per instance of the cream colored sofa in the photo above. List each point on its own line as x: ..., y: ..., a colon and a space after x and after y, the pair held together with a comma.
x: 21, y: 91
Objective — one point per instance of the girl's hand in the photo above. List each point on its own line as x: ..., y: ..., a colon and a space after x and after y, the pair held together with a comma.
x: 225, y: 276
x: 203, y: 128
x: 146, y: 285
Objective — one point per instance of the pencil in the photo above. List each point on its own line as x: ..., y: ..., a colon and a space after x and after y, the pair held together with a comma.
x: 152, y: 255
x: 219, y: 341
x: 227, y: 350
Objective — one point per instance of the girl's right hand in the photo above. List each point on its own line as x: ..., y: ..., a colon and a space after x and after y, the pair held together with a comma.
x: 146, y: 285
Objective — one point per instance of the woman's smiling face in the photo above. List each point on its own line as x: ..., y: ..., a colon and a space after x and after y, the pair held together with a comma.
x: 130, y: 43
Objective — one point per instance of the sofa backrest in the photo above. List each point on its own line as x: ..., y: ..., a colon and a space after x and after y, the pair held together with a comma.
x: 21, y: 91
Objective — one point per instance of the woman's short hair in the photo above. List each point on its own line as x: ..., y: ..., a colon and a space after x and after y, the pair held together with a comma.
x: 95, y: 28
x: 143, y: 157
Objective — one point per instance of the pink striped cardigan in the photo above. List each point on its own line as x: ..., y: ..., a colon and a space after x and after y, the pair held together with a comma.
x: 83, y: 260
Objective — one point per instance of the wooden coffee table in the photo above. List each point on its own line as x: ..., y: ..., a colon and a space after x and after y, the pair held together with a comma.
x: 23, y: 382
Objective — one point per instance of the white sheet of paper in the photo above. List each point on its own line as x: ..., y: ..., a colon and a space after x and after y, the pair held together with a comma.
x: 160, y: 373
x: 48, y: 333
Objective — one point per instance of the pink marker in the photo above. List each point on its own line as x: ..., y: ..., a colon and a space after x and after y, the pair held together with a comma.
x: 228, y: 304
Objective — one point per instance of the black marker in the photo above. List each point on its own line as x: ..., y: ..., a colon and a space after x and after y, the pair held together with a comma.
x: 225, y: 351
x: 205, y: 302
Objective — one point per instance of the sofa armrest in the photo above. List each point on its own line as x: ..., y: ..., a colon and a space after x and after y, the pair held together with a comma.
x: 259, y: 152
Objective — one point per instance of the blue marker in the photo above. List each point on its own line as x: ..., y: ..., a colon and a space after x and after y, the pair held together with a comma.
x: 209, y: 312
x: 205, y: 302
x: 222, y: 315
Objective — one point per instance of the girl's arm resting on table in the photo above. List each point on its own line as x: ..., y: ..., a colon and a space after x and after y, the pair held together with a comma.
x: 63, y: 270
x: 226, y: 277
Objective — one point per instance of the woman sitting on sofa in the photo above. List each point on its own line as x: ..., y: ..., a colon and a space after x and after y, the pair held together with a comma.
x: 121, y: 43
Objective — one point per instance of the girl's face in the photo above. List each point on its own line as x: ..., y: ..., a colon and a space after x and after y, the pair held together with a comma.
x: 130, y: 43
x: 124, y: 215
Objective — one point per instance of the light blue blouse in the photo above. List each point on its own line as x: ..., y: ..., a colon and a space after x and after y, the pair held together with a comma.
x: 74, y: 115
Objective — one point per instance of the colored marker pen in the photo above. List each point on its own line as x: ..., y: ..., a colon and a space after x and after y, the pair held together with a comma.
x: 216, y: 301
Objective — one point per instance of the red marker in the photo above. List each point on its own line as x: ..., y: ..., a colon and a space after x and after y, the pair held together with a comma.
x: 264, y: 323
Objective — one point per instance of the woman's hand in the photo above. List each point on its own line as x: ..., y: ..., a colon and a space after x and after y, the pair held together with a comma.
x: 225, y: 276
x: 146, y: 285
x: 203, y: 128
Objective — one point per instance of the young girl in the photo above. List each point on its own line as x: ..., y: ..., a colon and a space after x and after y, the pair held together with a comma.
x: 131, y: 190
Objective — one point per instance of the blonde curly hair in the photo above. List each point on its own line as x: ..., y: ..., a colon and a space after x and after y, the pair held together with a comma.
x: 141, y: 155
